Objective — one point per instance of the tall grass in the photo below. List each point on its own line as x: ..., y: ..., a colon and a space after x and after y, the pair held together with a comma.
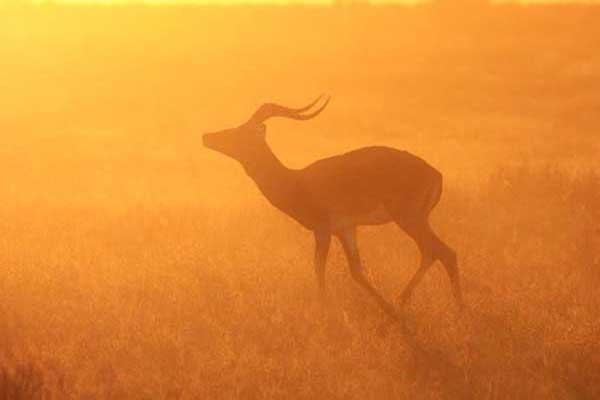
x: 220, y: 303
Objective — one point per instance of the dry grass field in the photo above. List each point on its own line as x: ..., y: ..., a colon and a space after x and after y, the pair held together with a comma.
x: 136, y: 264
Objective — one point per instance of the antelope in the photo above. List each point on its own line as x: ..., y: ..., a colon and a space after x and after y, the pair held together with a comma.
x: 333, y: 196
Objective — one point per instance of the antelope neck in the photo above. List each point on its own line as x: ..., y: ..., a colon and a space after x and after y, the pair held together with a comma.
x: 275, y: 180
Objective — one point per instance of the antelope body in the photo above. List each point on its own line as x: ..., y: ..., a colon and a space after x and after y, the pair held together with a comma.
x: 335, y: 195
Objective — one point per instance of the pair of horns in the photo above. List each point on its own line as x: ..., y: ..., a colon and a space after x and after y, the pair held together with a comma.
x: 269, y: 110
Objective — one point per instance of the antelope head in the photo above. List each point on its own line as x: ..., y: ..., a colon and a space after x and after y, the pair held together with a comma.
x: 246, y: 143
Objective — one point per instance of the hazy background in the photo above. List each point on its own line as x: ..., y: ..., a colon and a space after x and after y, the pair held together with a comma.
x: 134, y: 263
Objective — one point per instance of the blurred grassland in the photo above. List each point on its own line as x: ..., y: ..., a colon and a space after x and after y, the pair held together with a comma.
x: 135, y: 264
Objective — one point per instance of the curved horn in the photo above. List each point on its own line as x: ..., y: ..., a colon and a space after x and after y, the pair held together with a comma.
x: 312, y: 114
x: 269, y: 110
x: 308, y: 107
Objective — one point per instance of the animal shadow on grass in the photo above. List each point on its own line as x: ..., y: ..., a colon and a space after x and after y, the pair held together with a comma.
x: 430, y: 366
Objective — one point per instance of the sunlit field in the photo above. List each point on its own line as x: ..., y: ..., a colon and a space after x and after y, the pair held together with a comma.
x: 136, y: 264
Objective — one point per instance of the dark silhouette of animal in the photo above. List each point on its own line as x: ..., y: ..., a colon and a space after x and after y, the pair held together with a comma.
x: 335, y: 195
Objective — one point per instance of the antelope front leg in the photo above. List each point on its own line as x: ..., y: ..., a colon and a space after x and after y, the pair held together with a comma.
x: 322, y: 242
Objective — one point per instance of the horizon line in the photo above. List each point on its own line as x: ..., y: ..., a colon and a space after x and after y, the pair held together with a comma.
x: 292, y: 3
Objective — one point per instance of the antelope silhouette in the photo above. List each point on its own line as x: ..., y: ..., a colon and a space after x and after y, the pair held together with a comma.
x: 333, y: 196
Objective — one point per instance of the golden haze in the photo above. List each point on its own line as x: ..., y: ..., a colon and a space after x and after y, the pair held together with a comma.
x: 137, y: 264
